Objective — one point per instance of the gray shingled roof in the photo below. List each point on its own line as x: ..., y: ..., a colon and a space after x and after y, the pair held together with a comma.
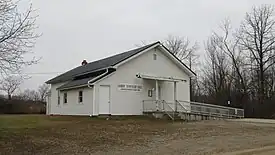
x: 84, y: 81
x: 74, y: 83
x: 97, y: 65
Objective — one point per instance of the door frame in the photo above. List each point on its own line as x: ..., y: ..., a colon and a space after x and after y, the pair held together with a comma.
x: 109, y: 86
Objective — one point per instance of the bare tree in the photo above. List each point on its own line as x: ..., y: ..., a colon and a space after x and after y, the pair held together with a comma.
x: 217, y: 72
x: 17, y: 36
x: 30, y: 95
x: 43, y: 90
x: 10, y: 84
x: 182, y: 48
x: 228, y: 44
x: 257, y: 36
x: 241, y: 63
x: 33, y: 95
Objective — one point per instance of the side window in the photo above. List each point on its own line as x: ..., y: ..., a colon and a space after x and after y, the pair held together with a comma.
x: 154, y: 56
x: 80, y: 96
x: 58, y: 98
x: 65, y: 98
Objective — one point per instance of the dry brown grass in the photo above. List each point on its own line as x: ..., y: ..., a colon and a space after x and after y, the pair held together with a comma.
x: 37, y: 134
x: 64, y: 134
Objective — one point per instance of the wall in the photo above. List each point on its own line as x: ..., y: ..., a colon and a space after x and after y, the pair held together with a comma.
x: 72, y: 107
x: 130, y: 103
x: 53, y: 106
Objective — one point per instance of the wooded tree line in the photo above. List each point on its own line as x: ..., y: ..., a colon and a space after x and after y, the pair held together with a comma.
x: 239, y: 63
x: 10, y: 87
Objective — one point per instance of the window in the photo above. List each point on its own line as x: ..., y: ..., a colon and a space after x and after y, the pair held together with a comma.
x: 150, y: 93
x: 58, y: 98
x: 80, y: 96
x: 155, y: 56
x: 65, y: 98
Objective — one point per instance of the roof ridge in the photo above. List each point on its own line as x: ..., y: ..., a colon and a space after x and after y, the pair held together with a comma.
x: 98, y: 64
x: 148, y: 45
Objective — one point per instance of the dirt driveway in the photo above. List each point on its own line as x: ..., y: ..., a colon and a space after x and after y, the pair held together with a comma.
x: 83, y: 135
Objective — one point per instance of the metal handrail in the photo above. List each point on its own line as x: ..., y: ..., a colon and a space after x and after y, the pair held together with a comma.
x: 192, y: 108
x: 211, y: 105
x: 178, y: 103
x: 215, y: 110
x: 219, y: 112
x: 157, y: 105
x: 173, y: 111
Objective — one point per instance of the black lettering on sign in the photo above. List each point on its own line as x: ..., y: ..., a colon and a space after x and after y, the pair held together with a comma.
x: 130, y: 87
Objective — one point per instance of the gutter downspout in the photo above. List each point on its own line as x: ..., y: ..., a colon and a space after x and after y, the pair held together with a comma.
x: 107, y: 70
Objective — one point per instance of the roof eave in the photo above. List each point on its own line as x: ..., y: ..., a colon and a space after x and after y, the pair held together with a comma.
x: 74, y: 87
x: 93, y: 80
x: 190, y: 72
x: 54, y: 82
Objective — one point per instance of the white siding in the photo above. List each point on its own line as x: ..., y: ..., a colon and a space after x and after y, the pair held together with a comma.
x: 72, y: 107
x: 130, y: 103
x: 54, y: 108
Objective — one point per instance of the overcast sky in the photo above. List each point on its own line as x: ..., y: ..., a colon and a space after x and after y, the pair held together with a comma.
x: 74, y: 30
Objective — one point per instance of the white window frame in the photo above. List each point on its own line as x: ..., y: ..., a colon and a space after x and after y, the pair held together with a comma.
x: 78, y: 98
x: 58, y: 98
x: 64, y: 98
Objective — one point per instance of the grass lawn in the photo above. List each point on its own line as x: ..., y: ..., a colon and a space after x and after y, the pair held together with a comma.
x: 40, y: 134
x: 71, y: 134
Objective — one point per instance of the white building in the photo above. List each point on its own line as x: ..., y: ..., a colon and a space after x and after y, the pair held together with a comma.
x: 119, y: 84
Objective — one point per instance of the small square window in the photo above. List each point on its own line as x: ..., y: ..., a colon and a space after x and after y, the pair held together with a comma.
x: 155, y: 56
x: 80, y: 96
x: 65, y: 98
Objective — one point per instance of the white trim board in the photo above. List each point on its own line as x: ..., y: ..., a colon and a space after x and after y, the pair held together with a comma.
x: 160, y: 78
